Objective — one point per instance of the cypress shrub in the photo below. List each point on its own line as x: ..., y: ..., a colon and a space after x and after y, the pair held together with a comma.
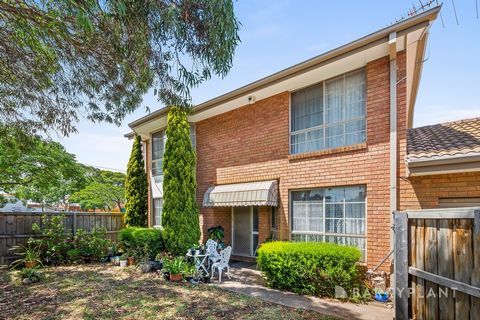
x: 181, y: 227
x: 313, y: 268
x: 136, y: 188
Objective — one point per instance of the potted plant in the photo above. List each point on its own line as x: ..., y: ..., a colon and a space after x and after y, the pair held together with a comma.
x: 217, y: 234
x: 192, y: 249
x: 113, y: 253
x: 175, y: 267
x: 190, y: 271
x: 144, y: 259
x: 123, y: 260
x: 30, y: 256
x: 131, y: 253
x: 157, y: 264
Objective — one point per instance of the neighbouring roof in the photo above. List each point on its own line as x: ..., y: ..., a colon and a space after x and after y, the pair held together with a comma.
x: 456, y: 139
x: 258, y: 193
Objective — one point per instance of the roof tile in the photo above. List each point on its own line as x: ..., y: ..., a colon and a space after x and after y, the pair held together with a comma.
x: 458, y: 138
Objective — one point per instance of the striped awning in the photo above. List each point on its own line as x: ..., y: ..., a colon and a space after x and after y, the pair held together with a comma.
x: 259, y: 193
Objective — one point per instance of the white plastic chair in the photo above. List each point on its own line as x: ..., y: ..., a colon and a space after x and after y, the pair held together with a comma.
x: 222, y: 263
x: 211, y: 251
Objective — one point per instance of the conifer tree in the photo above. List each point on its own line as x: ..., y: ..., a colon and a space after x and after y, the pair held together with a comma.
x: 136, y: 188
x: 180, y: 212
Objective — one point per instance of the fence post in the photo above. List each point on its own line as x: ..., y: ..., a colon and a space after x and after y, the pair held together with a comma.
x: 74, y: 217
x: 401, y: 265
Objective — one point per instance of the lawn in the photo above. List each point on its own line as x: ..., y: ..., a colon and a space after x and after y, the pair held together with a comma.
x: 105, y: 292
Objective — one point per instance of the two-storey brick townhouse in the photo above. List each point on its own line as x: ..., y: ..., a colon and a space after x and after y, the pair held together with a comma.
x: 315, y: 152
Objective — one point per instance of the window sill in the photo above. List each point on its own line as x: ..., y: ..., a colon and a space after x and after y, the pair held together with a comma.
x: 352, y: 147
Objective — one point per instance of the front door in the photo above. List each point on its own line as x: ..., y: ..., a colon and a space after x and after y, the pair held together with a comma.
x: 245, y: 231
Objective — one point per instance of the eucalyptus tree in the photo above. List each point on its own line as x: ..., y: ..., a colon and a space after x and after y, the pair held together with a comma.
x: 61, y: 60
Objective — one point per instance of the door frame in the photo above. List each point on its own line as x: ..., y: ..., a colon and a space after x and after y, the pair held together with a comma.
x: 232, y: 218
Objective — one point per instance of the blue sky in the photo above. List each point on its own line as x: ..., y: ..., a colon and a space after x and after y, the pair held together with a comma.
x: 276, y: 34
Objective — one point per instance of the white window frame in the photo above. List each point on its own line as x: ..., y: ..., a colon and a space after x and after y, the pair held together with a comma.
x: 152, y: 161
x: 193, y: 140
x: 155, y: 225
x: 325, y: 234
x: 324, y: 126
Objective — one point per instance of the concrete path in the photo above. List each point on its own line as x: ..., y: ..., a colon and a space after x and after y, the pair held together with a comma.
x: 247, y: 280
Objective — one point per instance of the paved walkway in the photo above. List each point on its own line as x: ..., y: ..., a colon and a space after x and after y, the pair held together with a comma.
x: 247, y: 280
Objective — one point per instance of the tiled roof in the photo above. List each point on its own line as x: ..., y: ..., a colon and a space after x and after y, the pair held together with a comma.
x: 451, y: 139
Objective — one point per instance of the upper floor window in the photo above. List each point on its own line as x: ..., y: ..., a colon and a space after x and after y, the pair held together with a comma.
x: 330, y: 114
x: 158, y: 148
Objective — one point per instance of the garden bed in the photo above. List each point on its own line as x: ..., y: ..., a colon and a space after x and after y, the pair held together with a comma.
x: 100, y: 291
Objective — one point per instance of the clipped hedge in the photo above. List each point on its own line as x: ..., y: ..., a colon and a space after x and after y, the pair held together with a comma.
x: 137, y: 240
x: 312, y: 268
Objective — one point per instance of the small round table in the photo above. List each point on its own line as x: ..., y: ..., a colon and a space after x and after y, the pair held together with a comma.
x: 199, y: 260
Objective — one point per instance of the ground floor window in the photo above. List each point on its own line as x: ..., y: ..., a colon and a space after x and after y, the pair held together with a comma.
x: 157, y: 212
x: 330, y: 214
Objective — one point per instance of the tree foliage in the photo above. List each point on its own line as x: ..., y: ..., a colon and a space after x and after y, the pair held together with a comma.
x: 180, y: 212
x: 105, y: 190
x: 37, y: 169
x: 136, y: 188
x: 41, y: 170
x: 62, y: 59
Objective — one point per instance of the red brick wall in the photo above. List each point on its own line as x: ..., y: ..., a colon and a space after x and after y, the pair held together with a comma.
x: 423, y: 192
x: 263, y: 224
x: 252, y: 143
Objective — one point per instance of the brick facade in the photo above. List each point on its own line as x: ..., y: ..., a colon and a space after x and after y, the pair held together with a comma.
x: 424, y: 192
x: 251, y: 143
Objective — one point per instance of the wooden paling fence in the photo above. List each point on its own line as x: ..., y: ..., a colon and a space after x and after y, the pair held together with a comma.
x: 437, y: 264
x: 16, y: 227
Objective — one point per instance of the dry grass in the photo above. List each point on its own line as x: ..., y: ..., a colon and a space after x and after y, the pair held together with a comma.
x: 105, y: 292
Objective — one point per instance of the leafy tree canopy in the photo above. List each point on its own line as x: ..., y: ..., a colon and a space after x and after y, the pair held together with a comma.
x: 35, y: 168
x: 38, y: 169
x: 100, y: 195
x: 104, y: 190
x: 62, y: 59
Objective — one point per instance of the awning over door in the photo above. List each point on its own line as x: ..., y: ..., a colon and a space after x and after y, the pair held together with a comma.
x: 259, y: 193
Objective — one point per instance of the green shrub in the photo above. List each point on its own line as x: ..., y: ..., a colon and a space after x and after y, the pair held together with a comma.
x: 143, y: 243
x: 54, y: 242
x: 136, y: 188
x: 180, y: 217
x: 90, y: 244
x: 30, y: 275
x: 312, y: 268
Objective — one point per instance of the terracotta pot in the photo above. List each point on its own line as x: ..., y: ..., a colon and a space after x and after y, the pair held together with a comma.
x: 31, y: 264
x: 131, y: 261
x: 175, y: 277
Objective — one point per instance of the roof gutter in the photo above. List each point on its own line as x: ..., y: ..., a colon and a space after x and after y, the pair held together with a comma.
x: 415, y: 163
x: 444, y: 165
x: 401, y: 28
